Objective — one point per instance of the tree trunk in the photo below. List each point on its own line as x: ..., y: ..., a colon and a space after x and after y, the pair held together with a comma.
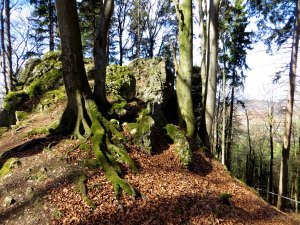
x: 3, y: 50
x: 212, y: 65
x: 184, y: 76
x: 204, y: 48
x: 249, y: 167
x: 229, y: 130
x: 8, y: 45
x: 51, y: 25
x: 224, y: 109
x: 121, y: 53
x: 283, y: 179
x: 73, y: 66
x: 270, y: 187
x: 100, y: 60
x: 82, y: 115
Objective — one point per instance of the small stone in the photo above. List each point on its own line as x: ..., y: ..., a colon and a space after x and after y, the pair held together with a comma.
x: 8, y: 200
x: 29, y: 192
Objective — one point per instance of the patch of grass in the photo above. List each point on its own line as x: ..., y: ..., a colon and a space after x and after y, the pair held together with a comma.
x: 225, y: 198
x: 217, y: 212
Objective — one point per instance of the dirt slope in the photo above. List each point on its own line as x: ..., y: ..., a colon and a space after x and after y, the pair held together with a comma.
x: 44, y: 192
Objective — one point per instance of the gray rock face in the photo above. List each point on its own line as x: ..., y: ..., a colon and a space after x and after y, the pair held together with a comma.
x: 152, y: 86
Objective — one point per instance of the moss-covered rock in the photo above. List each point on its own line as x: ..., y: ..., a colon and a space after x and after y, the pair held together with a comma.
x: 51, y: 97
x: 120, y: 82
x: 10, y: 164
x: 182, y: 146
x: 21, y: 116
x: 27, y: 70
x: 141, y: 132
x: 14, y: 99
x: 118, y: 108
x: 3, y: 130
x: 152, y: 85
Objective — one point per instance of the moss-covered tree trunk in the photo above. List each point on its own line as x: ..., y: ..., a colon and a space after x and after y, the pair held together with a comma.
x: 81, y: 116
x: 184, y: 76
x: 73, y: 68
x: 100, y: 51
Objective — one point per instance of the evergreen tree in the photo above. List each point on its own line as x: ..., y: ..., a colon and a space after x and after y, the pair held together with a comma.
x: 89, y: 11
x: 44, y: 24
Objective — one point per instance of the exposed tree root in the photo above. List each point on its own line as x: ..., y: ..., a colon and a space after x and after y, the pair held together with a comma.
x: 80, y: 185
x: 108, y: 142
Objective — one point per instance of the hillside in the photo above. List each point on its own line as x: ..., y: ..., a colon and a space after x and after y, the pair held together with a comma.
x: 43, y: 185
x: 55, y: 179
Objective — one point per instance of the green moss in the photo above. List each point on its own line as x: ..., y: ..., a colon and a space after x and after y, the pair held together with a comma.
x: 21, y: 115
x: 182, y: 146
x: 91, y: 163
x: 44, y: 83
x: 143, y: 133
x: 225, y: 198
x: 53, y: 96
x: 3, y: 130
x: 122, y: 155
x: 118, y: 108
x: 81, y: 188
x: 14, y: 99
x: 98, y: 139
x: 45, y: 75
x: 10, y: 164
x: 85, y: 147
x: 120, y: 82
x: 42, y: 130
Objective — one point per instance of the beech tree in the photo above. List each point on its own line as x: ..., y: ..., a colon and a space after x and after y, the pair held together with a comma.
x: 101, y: 50
x: 184, y: 73
x: 10, y: 72
x: 82, y: 117
x: 3, y: 49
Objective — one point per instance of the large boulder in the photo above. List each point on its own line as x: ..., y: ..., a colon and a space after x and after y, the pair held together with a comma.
x: 152, y: 85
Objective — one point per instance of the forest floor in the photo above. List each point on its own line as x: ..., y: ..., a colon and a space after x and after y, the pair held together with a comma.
x: 42, y: 188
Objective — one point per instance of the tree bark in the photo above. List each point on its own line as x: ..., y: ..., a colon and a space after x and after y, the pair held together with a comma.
x: 51, y: 25
x: 283, y: 179
x: 270, y: 186
x: 224, y: 109
x: 101, y: 49
x: 81, y: 115
x: 8, y: 45
x: 212, y: 65
x: 3, y: 50
x: 184, y: 76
